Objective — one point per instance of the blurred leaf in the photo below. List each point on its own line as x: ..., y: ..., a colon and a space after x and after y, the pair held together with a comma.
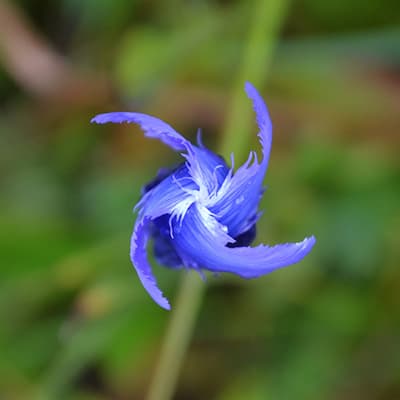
x: 149, y: 57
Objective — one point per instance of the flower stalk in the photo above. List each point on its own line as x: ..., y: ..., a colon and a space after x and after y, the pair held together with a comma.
x: 177, y: 337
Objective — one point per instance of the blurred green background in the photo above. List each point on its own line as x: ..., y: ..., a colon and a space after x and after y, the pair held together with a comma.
x: 75, y: 322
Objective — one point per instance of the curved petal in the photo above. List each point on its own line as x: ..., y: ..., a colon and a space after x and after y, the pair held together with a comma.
x: 139, y: 260
x: 152, y: 127
x: 201, y: 242
x: 240, y: 193
x: 178, y: 190
x: 263, y: 121
x: 206, y: 168
x: 162, y: 173
x: 173, y: 195
x: 235, y: 204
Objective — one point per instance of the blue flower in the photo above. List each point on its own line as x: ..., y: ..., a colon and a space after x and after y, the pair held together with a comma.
x: 203, y: 214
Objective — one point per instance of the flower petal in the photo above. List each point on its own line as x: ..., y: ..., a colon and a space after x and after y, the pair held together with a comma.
x: 263, y: 121
x: 164, y: 251
x: 152, y: 127
x: 236, y: 202
x: 206, y: 168
x: 235, y: 205
x: 201, y: 242
x: 139, y: 260
x: 173, y: 195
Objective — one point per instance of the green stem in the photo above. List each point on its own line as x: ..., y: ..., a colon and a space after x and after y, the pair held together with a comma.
x: 268, y: 17
x: 177, y: 337
x: 257, y: 56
